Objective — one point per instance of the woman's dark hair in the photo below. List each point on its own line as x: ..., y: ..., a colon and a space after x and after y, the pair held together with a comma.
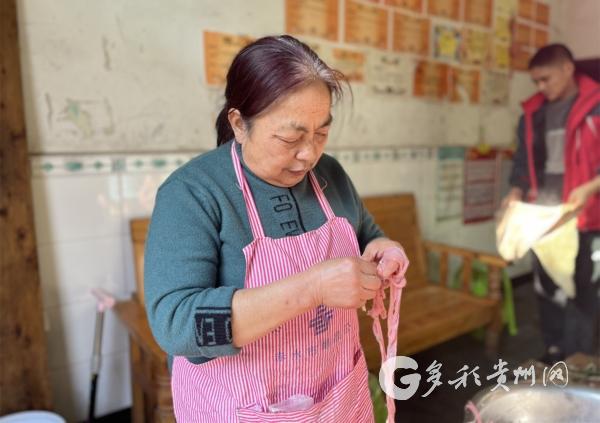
x: 265, y: 71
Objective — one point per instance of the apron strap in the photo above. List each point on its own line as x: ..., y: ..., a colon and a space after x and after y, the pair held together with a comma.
x: 254, y: 219
x: 321, y: 196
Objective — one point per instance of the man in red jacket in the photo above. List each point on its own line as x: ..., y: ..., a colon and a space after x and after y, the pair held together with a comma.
x: 558, y: 161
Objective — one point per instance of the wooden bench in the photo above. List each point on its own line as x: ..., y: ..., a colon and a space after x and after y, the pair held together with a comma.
x: 430, y: 313
x: 150, y: 380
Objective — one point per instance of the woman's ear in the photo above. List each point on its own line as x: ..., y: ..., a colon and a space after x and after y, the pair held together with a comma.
x: 237, y: 125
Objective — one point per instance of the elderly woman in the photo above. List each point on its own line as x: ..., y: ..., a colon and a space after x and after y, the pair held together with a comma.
x: 253, y: 267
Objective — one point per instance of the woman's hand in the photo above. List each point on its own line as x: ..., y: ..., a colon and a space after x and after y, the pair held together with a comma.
x: 374, y: 252
x: 345, y: 283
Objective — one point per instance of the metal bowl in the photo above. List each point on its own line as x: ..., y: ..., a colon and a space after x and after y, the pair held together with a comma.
x: 538, y: 403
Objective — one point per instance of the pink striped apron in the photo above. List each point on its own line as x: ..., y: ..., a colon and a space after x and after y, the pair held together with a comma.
x: 317, y: 353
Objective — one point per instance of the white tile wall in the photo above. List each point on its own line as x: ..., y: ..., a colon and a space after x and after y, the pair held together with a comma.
x: 71, y: 334
x: 81, y: 218
x: 138, y: 191
x: 99, y: 261
x: 71, y: 387
x: 415, y: 172
x: 69, y: 207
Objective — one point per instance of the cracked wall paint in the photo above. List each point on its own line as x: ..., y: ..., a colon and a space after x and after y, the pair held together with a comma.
x: 82, y: 119
x: 105, y: 47
x: 50, y: 112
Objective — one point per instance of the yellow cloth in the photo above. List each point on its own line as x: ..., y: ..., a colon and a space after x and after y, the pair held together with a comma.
x: 550, y: 231
x: 557, y: 252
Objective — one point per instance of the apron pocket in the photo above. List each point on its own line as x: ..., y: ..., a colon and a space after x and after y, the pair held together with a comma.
x: 348, y: 401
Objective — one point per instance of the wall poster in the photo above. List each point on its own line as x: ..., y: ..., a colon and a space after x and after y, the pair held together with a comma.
x: 431, y: 80
x: 411, y: 34
x: 219, y: 51
x: 446, y: 42
x: 366, y: 24
x: 317, y: 18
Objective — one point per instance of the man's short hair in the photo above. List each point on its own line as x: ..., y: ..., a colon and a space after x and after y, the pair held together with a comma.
x: 552, y: 54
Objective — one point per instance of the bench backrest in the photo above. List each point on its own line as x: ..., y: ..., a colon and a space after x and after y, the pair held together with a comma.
x: 395, y: 214
x: 139, y: 229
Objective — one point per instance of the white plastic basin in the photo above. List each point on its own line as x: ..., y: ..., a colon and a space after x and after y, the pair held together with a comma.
x: 32, y: 417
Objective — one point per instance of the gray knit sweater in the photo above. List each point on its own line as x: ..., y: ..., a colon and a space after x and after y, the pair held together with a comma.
x: 193, y: 259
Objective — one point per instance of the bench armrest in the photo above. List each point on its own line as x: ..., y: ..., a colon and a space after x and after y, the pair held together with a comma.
x: 494, y: 263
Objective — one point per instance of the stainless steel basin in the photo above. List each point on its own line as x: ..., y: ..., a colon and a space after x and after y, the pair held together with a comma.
x: 537, y: 404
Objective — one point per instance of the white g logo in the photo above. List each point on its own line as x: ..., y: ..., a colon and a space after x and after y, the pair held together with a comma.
x: 386, y: 377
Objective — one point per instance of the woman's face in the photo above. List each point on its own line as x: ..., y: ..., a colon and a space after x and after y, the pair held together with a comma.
x: 287, y: 140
